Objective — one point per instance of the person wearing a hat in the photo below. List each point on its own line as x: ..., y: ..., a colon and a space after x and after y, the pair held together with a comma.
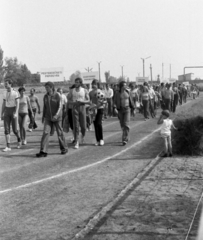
x: 52, y: 117
x: 167, y: 124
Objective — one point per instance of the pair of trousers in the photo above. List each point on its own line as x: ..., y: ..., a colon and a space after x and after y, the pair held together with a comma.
x: 32, y: 124
x: 98, y: 125
x: 110, y: 106
x: 167, y: 102
x: 175, y: 102
x: 79, y: 120
x: 145, y: 104
x: 124, y: 118
x: 48, y: 125
x: 70, y: 118
x: 10, y: 120
x: 151, y: 107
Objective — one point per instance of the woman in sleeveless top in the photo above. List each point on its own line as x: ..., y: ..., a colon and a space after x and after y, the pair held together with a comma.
x: 24, y: 105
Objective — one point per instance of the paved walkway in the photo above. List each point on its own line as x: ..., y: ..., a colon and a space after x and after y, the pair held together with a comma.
x: 161, y: 207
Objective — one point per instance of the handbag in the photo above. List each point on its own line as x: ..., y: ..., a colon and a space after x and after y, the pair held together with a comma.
x: 137, y: 104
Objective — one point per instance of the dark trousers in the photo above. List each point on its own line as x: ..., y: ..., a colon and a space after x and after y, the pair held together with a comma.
x: 167, y: 104
x: 175, y: 102
x: 110, y: 106
x: 98, y: 125
x: 70, y: 118
x: 151, y: 107
x: 145, y: 104
x: 32, y: 124
x: 124, y: 118
x: 10, y: 120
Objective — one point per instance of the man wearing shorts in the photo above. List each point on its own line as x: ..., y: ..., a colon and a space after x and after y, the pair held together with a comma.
x: 9, y: 114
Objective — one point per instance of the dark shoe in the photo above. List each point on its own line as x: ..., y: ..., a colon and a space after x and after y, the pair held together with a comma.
x: 165, y: 155
x: 64, y: 151
x: 170, y: 155
x: 41, y: 154
x: 124, y: 143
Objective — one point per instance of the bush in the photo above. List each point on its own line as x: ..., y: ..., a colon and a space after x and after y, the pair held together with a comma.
x: 188, y: 139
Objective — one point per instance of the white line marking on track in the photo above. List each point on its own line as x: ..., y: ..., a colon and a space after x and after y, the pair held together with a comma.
x: 79, y: 169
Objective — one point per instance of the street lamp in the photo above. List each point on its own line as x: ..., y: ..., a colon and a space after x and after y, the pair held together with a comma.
x: 143, y: 59
x: 122, y: 70
x: 99, y: 71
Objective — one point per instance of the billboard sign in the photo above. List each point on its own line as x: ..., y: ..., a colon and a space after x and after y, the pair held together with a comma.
x: 186, y: 83
x: 141, y: 80
x: 89, y: 76
x: 51, y: 74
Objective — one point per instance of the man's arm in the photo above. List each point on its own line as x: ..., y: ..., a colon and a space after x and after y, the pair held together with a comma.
x: 59, y: 107
x: 38, y: 106
x: 17, y: 107
x: 2, y: 109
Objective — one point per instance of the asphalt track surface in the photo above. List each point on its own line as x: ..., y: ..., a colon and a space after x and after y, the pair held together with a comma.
x: 53, y: 197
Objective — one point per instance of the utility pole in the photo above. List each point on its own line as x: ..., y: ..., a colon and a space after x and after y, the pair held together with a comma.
x: 143, y: 60
x: 151, y: 71
x: 99, y: 71
x: 122, y: 71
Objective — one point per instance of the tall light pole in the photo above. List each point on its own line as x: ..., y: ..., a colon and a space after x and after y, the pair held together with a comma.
x: 143, y: 60
x: 122, y: 71
x: 151, y: 71
x: 99, y: 70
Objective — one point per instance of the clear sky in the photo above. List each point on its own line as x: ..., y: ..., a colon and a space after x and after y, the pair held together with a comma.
x: 76, y: 34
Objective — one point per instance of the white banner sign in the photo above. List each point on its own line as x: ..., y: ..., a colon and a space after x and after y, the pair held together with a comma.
x: 186, y: 83
x: 89, y: 76
x: 51, y: 74
x: 141, y: 80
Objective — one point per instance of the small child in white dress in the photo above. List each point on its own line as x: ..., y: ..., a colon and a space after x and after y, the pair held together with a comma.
x: 166, y: 131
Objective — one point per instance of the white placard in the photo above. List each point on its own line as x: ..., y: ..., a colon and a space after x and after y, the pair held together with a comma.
x: 51, y: 74
x: 141, y: 80
x: 89, y: 76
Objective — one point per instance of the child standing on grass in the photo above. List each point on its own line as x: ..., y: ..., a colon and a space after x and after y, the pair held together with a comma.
x: 166, y: 131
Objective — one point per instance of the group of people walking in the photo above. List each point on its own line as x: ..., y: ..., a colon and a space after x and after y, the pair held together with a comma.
x: 81, y: 108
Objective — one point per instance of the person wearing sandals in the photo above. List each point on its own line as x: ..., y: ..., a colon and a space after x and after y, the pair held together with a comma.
x: 98, y: 103
x: 123, y: 104
x: 52, y: 116
x: 24, y: 106
x: 9, y: 113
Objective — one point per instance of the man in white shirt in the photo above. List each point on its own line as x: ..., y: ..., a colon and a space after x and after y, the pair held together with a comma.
x: 9, y: 113
x: 109, y: 96
x: 78, y: 97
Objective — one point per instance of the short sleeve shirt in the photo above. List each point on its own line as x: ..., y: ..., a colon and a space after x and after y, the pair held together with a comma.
x: 166, y: 126
x: 10, y: 98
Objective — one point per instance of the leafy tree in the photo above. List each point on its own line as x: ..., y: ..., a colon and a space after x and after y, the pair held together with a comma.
x: 18, y: 72
x: 2, y: 70
x: 35, y: 78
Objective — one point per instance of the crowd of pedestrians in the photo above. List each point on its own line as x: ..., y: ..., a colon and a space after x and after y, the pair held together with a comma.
x: 83, y: 108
